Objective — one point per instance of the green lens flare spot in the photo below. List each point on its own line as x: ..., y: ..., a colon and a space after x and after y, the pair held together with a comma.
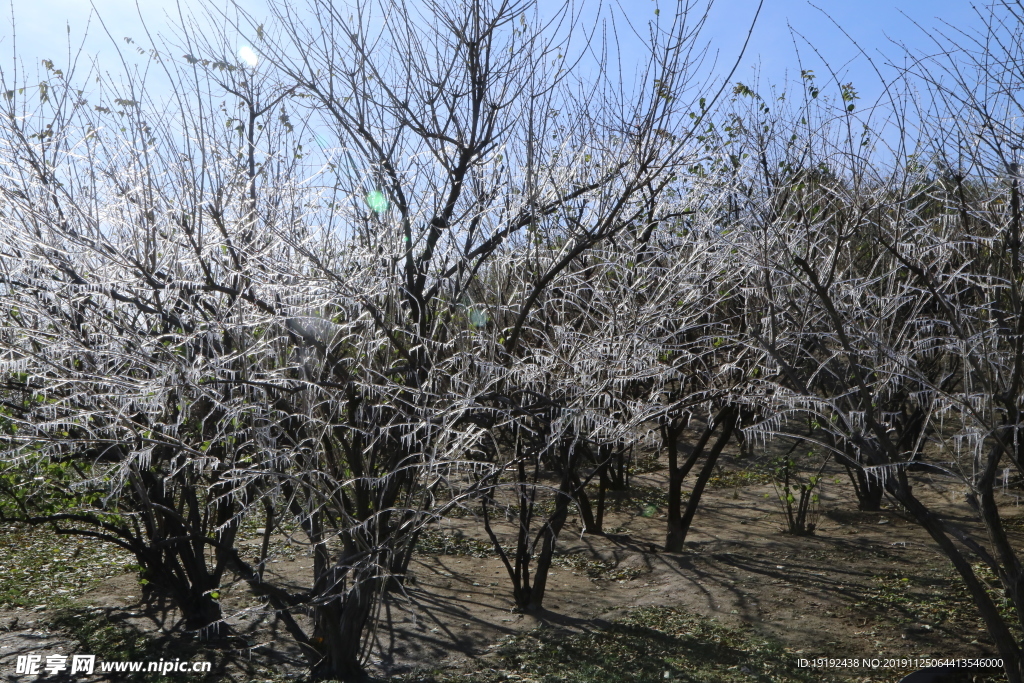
x: 377, y: 201
x: 478, y: 318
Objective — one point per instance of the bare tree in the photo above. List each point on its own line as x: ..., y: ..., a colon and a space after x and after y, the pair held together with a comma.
x: 463, y: 149
x: 886, y: 304
x: 139, y: 282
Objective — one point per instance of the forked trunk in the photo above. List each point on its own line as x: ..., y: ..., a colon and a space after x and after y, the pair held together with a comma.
x: 338, y: 629
x: 535, y: 596
x: 677, y: 522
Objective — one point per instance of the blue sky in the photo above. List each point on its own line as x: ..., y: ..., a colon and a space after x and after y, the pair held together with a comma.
x: 787, y: 28
x: 783, y: 27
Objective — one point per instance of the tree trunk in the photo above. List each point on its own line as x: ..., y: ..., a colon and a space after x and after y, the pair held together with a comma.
x: 997, y: 627
x: 729, y: 414
x: 869, y: 491
x: 676, y: 534
x: 673, y: 536
x: 204, y: 617
x: 185, y: 576
x: 338, y: 628
x: 590, y: 525
x: 549, y: 534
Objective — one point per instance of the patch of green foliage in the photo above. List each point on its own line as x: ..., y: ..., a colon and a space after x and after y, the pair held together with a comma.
x: 635, y: 499
x: 645, y: 463
x: 728, y: 479
x: 594, y: 568
x: 41, y: 567
x: 942, y: 602
x: 36, y: 485
x: 437, y: 542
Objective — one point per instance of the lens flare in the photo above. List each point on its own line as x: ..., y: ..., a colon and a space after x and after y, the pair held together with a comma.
x: 248, y: 55
x: 478, y: 317
x: 377, y: 201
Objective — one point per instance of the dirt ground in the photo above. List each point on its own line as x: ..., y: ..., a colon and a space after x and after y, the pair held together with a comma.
x: 864, y: 585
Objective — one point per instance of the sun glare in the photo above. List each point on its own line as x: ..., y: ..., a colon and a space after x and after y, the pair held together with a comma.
x: 248, y: 55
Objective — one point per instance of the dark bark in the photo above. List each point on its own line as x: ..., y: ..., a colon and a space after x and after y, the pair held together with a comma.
x: 590, y: 525
x: 676, y: 534
x: 997, y: 627
x: 869, y: 491
x: 602, y: 488
x: 549, y: 536
x: 339, y: 623
x: 529, y: 578
x: 728, y: 415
